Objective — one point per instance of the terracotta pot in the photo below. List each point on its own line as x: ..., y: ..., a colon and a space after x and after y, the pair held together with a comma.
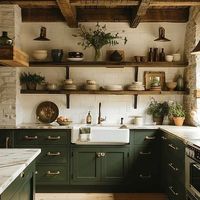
x: 158, y: 120
x: 178, y: 121
x: 31, y: 86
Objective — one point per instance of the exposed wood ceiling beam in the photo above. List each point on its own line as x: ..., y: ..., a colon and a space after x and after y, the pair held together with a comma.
x: 103, y: 15
x: 137, y: 14
x: 42, y: 15
x: 68, y: 12
x: 32, y: 4
x: 166, y: 15
x: 105, y: 3
x: 175, y: 3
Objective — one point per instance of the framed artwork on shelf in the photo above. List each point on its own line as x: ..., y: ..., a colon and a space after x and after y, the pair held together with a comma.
x: 153, y: 79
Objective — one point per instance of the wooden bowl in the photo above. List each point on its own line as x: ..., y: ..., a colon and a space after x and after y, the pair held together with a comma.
x: 171, y: 85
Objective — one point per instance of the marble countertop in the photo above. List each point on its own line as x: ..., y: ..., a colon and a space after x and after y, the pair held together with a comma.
x: 13, y: 162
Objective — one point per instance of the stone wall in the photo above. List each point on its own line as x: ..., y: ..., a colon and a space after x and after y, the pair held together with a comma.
x: 10, y: 21
x: 192, y: 72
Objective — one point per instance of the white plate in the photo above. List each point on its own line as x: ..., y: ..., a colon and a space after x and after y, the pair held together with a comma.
x: 75, y: 59
x: 113, y: 87
x: 70, y: 87
x: 91, y: 87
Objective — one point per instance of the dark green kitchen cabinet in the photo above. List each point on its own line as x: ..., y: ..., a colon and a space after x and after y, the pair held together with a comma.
x: 99, y: 165
x: 6, y: 138
x: 173, y: 166
x: 23, y: 187
x: 52, y: 165
x: 145, y: 160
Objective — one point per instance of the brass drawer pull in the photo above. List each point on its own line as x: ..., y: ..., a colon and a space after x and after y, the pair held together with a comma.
x: 150, y: 138
x: 145, y: 177
x: 22, y: 175
x: 98, y: 155
x: 174, y: 168
x: 172, y: 146
x: 172, y: 190
x: 53, y: 137
x: 145, y: 153
x: 7, y: 142
x: 53, y: 154
x: 103, y: 154
x: 31, y: 137
x: 196, y: 166
x: 36, y: 172
x: 163, y: 138
x: 53, y: 173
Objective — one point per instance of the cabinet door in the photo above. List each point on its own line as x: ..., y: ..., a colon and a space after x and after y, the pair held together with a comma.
x: 6, y: 138
x: 85, y: 166
x: 114, y: 164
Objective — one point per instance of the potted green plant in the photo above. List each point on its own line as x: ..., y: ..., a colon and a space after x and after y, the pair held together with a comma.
x: 177, y: 112
x: 158, y: 110
x: 97, y: 38
x: 31, y: 80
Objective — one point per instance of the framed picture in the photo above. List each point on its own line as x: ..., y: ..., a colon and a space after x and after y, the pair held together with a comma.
x: 150, y: 77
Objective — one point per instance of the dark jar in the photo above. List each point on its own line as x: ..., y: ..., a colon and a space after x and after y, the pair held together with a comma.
x: 5, y: 40
x: 57, y: 55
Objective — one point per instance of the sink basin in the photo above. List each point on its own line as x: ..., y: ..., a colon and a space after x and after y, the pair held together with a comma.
x: 101, y: 135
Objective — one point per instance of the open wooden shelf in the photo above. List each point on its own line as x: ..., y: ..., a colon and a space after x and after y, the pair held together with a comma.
x: 109, y: 64
x: 103, y: 92
x: 11, y: 56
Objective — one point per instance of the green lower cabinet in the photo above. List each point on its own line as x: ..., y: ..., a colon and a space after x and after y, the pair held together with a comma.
x: 99, y: 165
x: 6, y: 138
x: 52, y: 175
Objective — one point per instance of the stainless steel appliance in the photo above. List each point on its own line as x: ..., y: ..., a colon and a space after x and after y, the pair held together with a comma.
x: 192, y: 167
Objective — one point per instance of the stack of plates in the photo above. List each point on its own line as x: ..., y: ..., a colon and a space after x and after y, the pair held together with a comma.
x: 155, y: 88
x: 91, y: 85
x: 113, y: 87
x: 136, y: 86
x: 68, y: 85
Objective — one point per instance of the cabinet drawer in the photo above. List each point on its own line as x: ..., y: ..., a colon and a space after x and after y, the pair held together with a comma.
x: 176, y: 149
x: 51, y: 174
x: 53, y: 155
x: 34, y: 137
x: 146, y: 155
x: 146, y: 136
x: 147, y: 181
x: 175, y: 191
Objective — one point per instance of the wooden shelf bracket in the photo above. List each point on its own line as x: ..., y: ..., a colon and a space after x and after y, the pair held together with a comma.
x: 67, y: 95
x: 136, y: 95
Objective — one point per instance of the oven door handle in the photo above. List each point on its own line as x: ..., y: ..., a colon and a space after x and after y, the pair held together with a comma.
x: 197, y: 166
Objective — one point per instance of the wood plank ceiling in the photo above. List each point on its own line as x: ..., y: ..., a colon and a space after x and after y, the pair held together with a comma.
x: 131, y: 11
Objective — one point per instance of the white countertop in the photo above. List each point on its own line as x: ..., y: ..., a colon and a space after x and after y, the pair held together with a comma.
x: 13, y: 162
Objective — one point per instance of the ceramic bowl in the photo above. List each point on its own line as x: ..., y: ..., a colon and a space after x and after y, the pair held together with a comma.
x: 40, y: 54
x: 169, y: 58
x: 52, y: 86
x: 171, y: 85
x: 75, y: 54
x: 68, y: 81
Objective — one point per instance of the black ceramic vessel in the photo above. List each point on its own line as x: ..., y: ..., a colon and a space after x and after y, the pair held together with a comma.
x: 5, y: 40
x: 57, y: 55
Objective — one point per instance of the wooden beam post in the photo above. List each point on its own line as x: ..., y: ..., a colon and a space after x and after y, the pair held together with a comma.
x: 175, y: 3
x: 68, y: 12
x: 139, y: 12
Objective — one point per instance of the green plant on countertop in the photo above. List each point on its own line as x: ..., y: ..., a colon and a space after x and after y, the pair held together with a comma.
x: 158, y: 110
x: 176, y: 110
x: 98, y: 38
x: 31, y: 79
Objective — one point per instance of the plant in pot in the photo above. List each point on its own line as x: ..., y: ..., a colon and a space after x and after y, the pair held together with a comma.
x: 177, y: 112
x: 158, y: 110
x: 31, y: 80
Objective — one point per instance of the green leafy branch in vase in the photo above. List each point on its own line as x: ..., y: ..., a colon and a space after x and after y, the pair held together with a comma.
x: 98, y: 38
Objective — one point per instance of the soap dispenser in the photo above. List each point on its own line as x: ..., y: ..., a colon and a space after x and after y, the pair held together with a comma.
x: 89, y: 118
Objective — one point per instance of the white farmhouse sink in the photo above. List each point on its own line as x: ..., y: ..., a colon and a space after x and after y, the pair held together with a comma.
x: 101, y: 135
